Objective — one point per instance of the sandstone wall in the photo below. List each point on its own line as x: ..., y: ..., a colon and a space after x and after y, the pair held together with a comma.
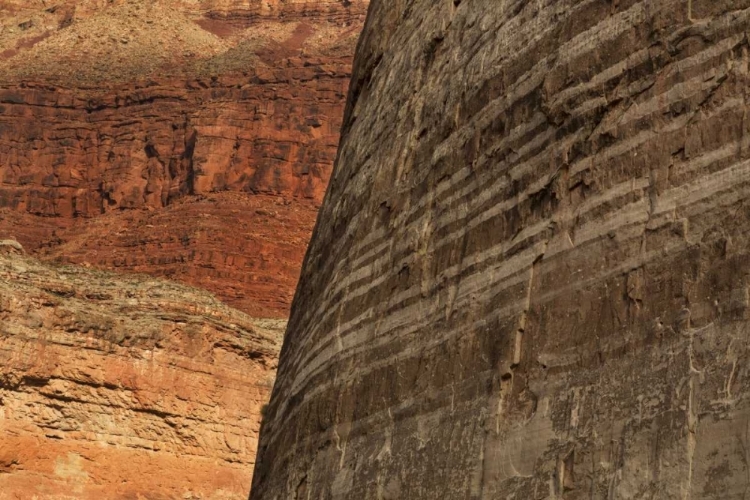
x: 81, y: 153
x: 125, y: 388
x: 107, y: 107
x: 122, y: 108
x: 530, y: 275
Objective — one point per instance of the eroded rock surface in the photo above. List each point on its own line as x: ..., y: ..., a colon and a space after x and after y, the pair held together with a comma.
x: 108, y: 106
x: 125, y: 387
x: 530, y: 277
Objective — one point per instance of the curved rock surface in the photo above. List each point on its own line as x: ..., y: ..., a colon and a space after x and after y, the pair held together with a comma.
x: 125, y: 387
x: 530, y: 275
x: 107, y: 106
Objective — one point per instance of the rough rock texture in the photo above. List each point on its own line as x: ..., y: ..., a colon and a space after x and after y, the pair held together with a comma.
x: 113, y: 105
x: 530, y: 275
x: 125, y: 388
x: 128, y: 106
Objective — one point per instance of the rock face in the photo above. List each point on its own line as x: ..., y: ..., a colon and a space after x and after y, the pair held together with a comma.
x: 125, y: 388
x: 113, y: 105
x: 530, y: 275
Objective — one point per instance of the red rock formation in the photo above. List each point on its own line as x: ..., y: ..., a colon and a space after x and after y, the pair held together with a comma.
x: 106, y: 106
x: 70, y: 153
x: 125, y: 388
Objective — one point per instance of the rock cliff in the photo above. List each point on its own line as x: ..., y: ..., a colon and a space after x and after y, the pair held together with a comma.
x: 107, y: 106
x: 530, y: 275
x: 125, y: 388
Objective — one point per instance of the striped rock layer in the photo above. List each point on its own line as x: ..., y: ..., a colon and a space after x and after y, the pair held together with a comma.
x: 529, y: 278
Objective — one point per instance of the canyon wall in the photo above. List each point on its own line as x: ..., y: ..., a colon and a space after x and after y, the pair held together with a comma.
x: 113, y: 106
x: 530, y: 275
x: 125, y: 387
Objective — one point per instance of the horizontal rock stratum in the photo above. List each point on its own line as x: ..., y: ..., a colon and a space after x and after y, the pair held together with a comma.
x: 529, y: 279
x: 125, y: 388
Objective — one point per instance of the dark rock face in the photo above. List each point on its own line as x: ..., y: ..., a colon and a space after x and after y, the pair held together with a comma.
x: 530, y: 275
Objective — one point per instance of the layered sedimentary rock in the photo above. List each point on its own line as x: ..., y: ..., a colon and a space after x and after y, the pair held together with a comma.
x: 530, y: 275
x: 108, y: 106
x: 125, y: 388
